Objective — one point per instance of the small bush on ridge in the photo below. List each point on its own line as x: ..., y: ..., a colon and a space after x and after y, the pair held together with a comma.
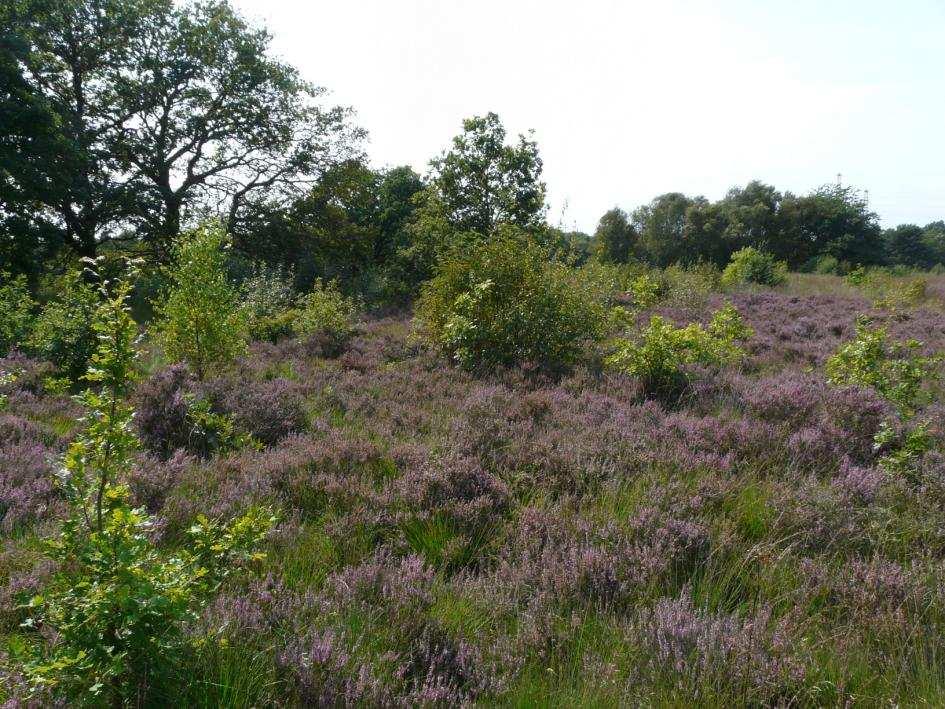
x: 268, y: 300
x: 325, y: 311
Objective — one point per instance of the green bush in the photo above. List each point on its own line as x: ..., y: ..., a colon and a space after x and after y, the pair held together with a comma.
x: 661, y: 352
x: 202, y: 321
x: 214, y: 433
x: 16, y: 312
x: 63, y: 333
x: 326, y: 312
x: 895, y: 370
x: 824, y: 265
x: 505, y: 302
x: 749, y: 265
x: 110, y: 623
x: 898, y: 373
x: 690, y: 286
x: 269, y: 300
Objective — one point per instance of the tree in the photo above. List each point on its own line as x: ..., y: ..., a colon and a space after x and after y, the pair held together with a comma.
x: 396, y: 206
x: 662, y: 229
x: 833, y: 220
x: 221, y: 121
x: 752, y: 216
x: 615, y: 238
x: 482, y: 182
x: 168, y: 112
x: 73, y: 56
x: 906, y: 244
x: 201, y: 322
x: 34, y: 157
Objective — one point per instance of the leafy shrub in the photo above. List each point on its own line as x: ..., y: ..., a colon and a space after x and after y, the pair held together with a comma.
x: 749, y: 265
x: 63, y: 333
x: 212, y: 432
x: 325, y: 311
x: 894, y: 369
x: 16, y: 312
x: 662, y: 350
x: 898, y: 373
x: 117, y: 611
x: 690, y: 286
x: 202, y: 322
x: 825, y: 264
x: 506, y: 303
x: 268, y: 300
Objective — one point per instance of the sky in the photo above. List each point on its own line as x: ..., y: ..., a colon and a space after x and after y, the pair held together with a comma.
x: 629, y: 100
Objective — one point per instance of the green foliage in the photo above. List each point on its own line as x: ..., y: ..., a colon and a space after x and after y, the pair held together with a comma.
x: 898, y: 373
x: 63, y: 332
x: 504, y: 303
x: 824, y: 264
x: 902, y: 451
x: 749, y: 265
x: 202, y: 322
x: 16, y: 311
x: 325, y: 311
x: 615, y: 238
x: 894, y: 369
x: 268, y: 301
x: 645, y: 290
x: 662, y: 350
x: 116, y: 611
x: 482, y: 182
x: 890, y: 288
x: 212, y: 432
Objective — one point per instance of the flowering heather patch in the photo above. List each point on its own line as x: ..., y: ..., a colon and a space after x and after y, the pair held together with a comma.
x: 526, y: 539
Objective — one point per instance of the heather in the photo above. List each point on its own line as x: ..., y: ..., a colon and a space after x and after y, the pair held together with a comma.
x: 514, y: 536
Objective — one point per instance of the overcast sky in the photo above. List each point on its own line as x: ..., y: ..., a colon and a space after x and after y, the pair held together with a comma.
x: 632, y: 99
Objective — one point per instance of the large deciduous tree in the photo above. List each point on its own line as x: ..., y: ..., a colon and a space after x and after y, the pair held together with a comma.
x: 67, y: 60
x: 482, y: 182
x: 168, y: 112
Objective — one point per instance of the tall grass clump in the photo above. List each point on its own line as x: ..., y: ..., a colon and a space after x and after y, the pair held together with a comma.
x: 202, y: 321
x: 505, y: 303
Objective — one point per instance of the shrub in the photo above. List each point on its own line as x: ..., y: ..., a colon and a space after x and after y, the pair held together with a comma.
x: 202, y: 322
x: 268, y: 300
x: 825, y: 264
x: 661, y: 352
x: 115, y: 613
x: 16, y: 312
x: 894, y: 369
x: 62, y: 333
x: 749, y: 265
x: 325, y: 311
x: 897, y: 373
x: 506, y: 303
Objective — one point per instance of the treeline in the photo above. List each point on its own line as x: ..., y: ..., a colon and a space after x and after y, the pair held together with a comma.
x: 123, y: 122
x: 829, y: 229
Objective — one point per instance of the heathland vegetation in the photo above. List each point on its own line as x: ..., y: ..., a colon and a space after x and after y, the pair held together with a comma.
x: 278, y: 428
